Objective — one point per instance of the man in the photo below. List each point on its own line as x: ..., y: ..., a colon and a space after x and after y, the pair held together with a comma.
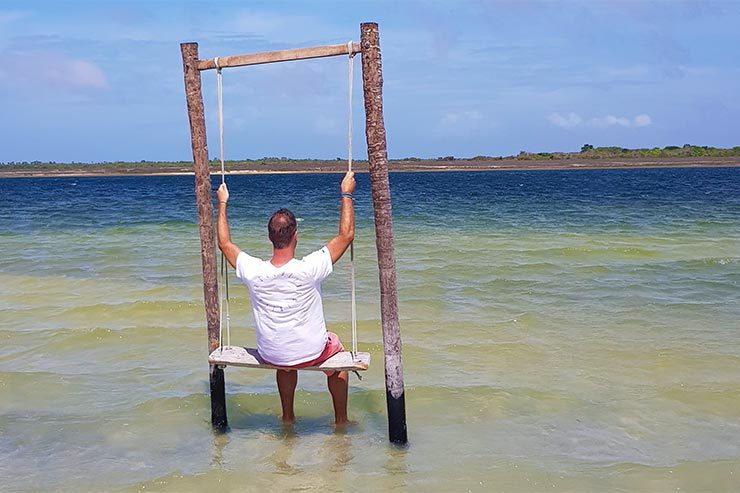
x: 286, y: 298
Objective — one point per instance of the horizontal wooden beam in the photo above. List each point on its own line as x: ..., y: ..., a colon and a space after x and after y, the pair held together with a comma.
x: 278, y: 56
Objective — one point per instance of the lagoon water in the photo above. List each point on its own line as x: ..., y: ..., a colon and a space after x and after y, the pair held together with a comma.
x: 563, y: 331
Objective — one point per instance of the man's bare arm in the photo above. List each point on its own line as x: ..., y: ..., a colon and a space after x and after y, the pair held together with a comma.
x: 230, y: 250
x: 339, y: 244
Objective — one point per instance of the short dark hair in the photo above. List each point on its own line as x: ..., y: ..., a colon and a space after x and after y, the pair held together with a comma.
x: 281, y: 227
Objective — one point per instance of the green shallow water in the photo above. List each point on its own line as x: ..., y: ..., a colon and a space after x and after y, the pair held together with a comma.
x: 583, y: 350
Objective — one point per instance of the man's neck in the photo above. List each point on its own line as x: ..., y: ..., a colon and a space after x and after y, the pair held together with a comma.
x: 281, y: 256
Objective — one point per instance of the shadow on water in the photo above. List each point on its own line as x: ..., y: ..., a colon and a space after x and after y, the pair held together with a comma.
x: 220, y: 441
x: 335, y: 450
x: 339, y: 447
x: 258, y: 412
x: 270, y: 424
x: 338, y: 451
x: 396, y: 465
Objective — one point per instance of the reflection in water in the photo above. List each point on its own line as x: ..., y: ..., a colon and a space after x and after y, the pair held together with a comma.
x: 280, y: 457
x: 220, y: 440
x: 336, y: 450
x: 396, y: 466
x: 339, y: 448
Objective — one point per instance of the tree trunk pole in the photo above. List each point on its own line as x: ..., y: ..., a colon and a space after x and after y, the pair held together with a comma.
x: 372, y: 81
x: 204, y: 202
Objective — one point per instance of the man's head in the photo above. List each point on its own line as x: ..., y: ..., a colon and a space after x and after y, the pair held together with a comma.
x: 281, y: 228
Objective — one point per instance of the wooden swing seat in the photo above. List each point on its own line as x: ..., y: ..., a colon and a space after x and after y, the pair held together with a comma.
x: 249, y: 357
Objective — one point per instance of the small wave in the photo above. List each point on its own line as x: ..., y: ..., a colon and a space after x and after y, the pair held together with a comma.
x: 720, y: 261
x: 608, y: 252
x: 137, y: 311
x: 171, y: 403
x: 61, y: 341
x: 135, y: 228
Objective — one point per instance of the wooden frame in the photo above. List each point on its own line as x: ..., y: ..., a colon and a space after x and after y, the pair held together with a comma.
x: 372, y: 79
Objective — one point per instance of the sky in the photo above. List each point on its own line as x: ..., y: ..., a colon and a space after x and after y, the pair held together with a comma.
x: 92, y: 81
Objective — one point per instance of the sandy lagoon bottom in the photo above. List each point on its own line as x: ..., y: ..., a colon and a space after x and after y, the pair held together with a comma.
x: 581, y: 334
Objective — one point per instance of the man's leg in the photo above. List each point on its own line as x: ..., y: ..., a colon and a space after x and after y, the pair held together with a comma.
x: 286, y: 382
x: 338, y: 383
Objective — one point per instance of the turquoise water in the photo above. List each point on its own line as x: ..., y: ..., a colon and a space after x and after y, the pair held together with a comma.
x: 563, y: 331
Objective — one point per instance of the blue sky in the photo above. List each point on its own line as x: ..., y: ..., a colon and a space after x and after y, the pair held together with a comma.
x: 102, y: 80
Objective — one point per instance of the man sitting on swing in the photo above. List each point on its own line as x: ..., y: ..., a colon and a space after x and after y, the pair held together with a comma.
x: 286, y: 298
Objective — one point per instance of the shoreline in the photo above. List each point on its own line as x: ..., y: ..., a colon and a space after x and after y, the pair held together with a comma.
x: 394, y: 166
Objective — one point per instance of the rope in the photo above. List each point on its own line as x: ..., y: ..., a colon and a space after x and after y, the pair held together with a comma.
x: 351, y: 77
x: 223, y: 287
x: 349, y: 168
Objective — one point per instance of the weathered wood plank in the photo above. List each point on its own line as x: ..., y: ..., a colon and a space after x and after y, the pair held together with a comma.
x: 250, y: 358
x: 278, y: 56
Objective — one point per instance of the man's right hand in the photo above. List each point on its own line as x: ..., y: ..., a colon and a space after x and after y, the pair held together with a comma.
x: 222, y: 193
x: 348, y: 183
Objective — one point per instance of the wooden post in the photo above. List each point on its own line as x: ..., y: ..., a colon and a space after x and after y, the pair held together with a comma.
x: 204, y: 202
x: 372, y: 82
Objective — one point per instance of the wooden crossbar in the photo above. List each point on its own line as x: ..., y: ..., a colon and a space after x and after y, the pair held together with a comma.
x: 250, y: 358
x: 277, y: 56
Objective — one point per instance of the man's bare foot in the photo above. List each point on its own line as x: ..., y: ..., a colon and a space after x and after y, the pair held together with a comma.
x: 288, y: 421
x: 345, y: 423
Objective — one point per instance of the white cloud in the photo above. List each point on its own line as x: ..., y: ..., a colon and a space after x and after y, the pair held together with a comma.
x: 565, y: 121
x: 52, y: 70
x: 643, y: 120
x: 75, y: 73
x: 281, y: 27
x: 262, y: 24
x: 327, y: 126
x: 573, y: 120
x: 9, y: 16
x: 461, y: 118
x: 461, y: 124
x: 609, y: 121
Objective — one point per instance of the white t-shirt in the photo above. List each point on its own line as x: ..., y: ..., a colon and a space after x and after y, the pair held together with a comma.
x: 286, y: 301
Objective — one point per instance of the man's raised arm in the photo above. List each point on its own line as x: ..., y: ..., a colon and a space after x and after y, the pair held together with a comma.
x: 339, y: 244
x: 230, y: 250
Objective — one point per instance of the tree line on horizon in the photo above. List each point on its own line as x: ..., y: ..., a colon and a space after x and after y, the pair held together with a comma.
x: 587, y: 151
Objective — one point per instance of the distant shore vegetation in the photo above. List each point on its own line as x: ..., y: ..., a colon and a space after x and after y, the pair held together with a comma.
x: 587, y: 151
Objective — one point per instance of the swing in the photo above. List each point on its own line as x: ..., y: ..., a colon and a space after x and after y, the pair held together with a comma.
x: 228, y: 355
